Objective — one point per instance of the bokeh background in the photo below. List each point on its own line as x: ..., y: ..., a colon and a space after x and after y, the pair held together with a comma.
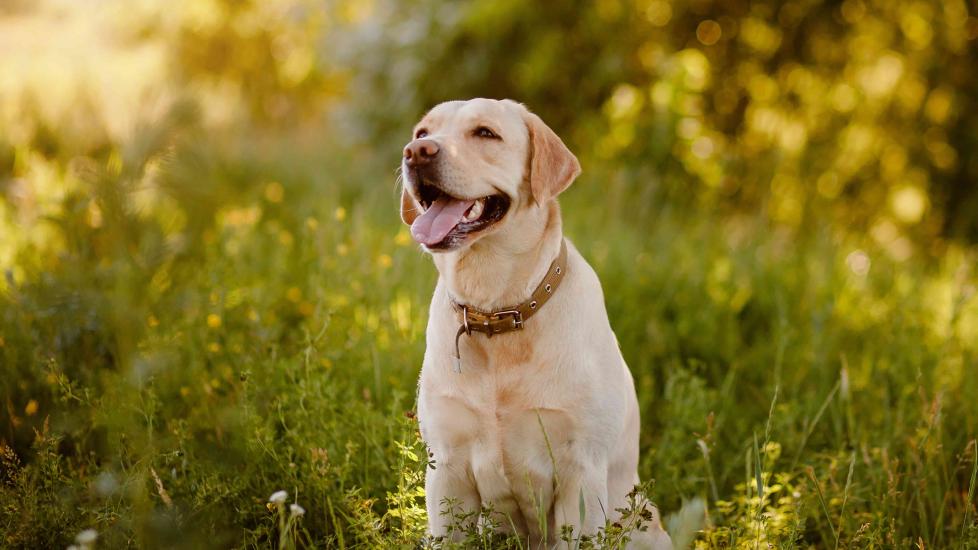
x: 208, y: 295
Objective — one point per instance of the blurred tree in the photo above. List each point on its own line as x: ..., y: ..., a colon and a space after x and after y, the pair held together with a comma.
x: 860, y: 105
x: 267, y: 59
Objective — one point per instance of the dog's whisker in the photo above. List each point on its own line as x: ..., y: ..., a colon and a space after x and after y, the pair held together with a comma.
x: 398, y: 181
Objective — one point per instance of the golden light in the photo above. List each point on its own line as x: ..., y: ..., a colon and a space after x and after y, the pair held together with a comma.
x: 659, y: 13
x: 708, y: 32
x: 908, y: 203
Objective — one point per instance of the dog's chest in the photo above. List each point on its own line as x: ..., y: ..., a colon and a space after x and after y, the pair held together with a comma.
x: 517, y: 460
x: 504, y: 421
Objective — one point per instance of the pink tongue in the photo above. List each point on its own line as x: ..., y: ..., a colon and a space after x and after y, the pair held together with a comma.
x: 444, y: 214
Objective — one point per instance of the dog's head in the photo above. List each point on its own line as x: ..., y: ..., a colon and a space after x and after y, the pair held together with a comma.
x: 472, y: 166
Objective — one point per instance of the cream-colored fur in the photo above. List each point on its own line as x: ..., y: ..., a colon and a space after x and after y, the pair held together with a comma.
x: 537, y: 417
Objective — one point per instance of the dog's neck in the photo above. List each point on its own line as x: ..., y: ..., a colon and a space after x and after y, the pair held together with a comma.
x: 502, y: 269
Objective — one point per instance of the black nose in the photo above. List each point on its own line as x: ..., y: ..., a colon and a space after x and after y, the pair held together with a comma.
x: 420, y: 152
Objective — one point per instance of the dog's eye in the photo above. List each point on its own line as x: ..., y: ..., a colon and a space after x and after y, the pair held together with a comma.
x: 420, y: 133
x: 484, y: 132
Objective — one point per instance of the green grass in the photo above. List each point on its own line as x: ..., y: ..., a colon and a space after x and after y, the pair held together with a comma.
x: 198, y: 322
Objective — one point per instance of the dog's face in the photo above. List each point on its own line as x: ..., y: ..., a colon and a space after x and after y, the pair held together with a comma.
x: 473, y: 166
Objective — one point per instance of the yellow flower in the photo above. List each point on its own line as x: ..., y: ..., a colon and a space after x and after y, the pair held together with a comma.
x: 214, y: 320
x: 342, y: 249
x: 306, y: 309
x: 384, y: 261
x: 214, y: 347
x: 285, y: 238
x: 403, y: 238
x: 274, y: 192
x: 340, y: 213
x: 31, y: 408
x: 152, y: 321
x: 294, y: 294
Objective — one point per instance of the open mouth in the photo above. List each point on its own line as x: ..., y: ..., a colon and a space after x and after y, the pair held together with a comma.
x: 446, y: 220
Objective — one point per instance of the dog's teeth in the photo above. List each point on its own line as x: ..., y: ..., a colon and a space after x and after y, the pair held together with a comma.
x: 474, y: 211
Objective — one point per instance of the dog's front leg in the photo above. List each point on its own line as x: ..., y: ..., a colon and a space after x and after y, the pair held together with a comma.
x: 589, y: 484
x: 451, y: 499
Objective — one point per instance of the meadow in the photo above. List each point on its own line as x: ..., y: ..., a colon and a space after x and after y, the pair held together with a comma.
x: 203, y: 305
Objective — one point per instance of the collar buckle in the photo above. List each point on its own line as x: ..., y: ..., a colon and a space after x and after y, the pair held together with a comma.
x: 465, y: 321
x: 515, y: 313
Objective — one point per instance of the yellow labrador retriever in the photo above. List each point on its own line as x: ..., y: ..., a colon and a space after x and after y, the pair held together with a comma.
x: 525, y: 401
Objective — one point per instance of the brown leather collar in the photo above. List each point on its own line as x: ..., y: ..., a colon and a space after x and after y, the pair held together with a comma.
x: 511, y: 318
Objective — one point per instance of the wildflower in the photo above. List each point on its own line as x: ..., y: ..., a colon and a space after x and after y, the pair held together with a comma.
x: 274, y: 192
x: 297, y: 511
x: 213, y: 320
x: 293, y: 294
x: 403, y: 238
x: 278, y: 497
x: 340, y: 214
x: 86, y: 537
x: 31, y: 408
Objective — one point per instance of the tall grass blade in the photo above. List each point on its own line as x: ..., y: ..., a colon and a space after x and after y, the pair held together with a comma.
x: 845, y: 497
x: 759, y: 480
x: 811, y: 426
x: 821, y: 500
x: 580, y: 514
x: 971, y: 495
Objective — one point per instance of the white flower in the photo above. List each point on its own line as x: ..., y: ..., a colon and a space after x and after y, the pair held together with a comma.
x: 278, y: 497
x: 297, y: 510
x: 86, y: 537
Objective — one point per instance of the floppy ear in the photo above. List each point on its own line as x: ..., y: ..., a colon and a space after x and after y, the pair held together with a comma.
x: 552, y: 167
x: 409, y: 209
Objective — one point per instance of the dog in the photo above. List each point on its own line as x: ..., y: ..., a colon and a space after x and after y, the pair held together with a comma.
x: 524, y: 400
